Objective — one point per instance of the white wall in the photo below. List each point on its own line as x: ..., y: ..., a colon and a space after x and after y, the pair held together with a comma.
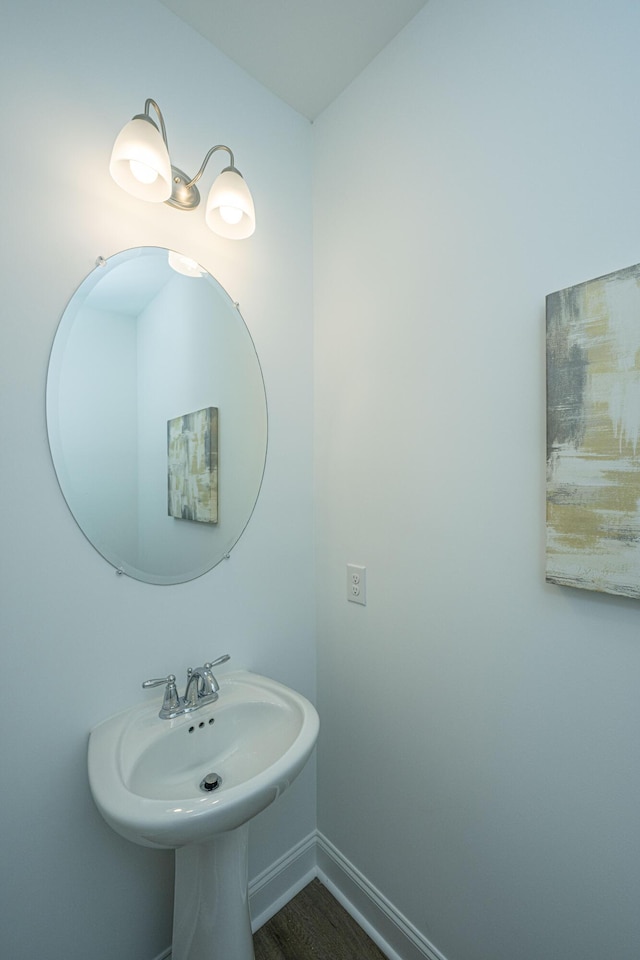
x: 95, y: 440
x: 479, y: 758
x: 77, y: 640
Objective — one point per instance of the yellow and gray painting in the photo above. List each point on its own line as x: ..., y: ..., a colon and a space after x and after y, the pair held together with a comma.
x: 192, y: 446
x: 593, y: 434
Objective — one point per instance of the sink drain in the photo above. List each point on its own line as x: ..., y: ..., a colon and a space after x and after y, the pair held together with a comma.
x: 211, y: 782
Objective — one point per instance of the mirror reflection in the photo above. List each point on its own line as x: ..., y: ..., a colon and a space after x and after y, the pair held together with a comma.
x: 156, y: 414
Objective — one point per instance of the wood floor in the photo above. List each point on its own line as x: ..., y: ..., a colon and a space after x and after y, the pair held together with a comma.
x: 313, y: 926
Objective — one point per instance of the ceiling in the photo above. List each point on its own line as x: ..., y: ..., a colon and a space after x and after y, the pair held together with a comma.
x: 304, y: 51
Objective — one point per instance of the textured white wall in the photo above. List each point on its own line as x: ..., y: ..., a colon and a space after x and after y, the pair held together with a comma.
x: 479, y: 758
x: 77, y: 640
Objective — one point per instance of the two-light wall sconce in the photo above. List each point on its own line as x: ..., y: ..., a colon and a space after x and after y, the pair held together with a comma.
x: 141, y: 165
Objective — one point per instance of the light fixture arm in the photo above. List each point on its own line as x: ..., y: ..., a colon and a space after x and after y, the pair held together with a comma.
x: 184, y: 193
x: 219, y: 146
x: 145, y: 116
x: 163, y: 130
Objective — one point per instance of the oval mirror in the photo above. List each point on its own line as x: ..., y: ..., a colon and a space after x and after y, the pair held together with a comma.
x: 156, y: 415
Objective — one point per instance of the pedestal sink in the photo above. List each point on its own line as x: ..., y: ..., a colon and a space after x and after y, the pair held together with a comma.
x: 192, y: 784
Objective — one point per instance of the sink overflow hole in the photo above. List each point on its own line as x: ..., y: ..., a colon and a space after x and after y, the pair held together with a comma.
x: 211, y: 782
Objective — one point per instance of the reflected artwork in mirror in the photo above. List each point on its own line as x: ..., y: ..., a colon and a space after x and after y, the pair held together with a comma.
x: 142, y: 350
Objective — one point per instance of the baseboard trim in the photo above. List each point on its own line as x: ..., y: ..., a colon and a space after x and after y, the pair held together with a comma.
x: 396, y: 936
x: 279, y: 883
x: 165, y: 955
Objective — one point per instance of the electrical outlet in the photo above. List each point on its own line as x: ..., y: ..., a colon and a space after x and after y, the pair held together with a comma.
x: 356, y: 584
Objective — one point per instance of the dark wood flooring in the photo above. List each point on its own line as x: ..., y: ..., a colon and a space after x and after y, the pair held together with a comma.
x: 314, y: 926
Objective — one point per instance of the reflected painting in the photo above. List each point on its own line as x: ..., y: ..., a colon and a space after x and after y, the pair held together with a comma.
x: 593, y: 434
x: 192, y: 447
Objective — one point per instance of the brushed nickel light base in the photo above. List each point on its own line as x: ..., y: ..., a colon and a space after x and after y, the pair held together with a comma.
x: 184, y: 193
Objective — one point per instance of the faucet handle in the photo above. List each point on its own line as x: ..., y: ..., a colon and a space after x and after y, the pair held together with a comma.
x: 216, y: 663
x: 171, y: 703
x: 206, y: 666
x: 158, y: 683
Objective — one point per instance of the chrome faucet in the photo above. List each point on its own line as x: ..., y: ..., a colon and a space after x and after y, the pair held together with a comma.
x: 202, y: 688
x: 201, y: 685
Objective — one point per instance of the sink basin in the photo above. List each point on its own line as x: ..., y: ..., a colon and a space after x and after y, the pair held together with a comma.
x: 146, y: 773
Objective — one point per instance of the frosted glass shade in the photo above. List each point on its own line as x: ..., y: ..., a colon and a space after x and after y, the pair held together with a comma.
x: 184, y: 265
x: 140, y: 161
x: 230, y: 212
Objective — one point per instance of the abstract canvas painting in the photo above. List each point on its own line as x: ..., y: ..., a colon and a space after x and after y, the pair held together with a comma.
x: 593, y: 434
x: 192, y: 449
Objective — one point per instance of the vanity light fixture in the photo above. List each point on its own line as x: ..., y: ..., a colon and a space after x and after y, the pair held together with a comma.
x: 185, y: 265
x: 141, y: 165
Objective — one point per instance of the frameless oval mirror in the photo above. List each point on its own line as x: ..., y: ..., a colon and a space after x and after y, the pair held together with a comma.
x: 157, y: 415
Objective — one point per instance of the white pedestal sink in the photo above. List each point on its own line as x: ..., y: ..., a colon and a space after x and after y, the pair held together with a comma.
x: 146, y: 774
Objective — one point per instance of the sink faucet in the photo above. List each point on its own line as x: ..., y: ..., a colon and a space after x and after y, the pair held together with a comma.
x: 202, y: 688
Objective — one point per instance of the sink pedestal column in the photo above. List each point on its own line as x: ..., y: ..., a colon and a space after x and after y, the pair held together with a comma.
x: 211, y: 918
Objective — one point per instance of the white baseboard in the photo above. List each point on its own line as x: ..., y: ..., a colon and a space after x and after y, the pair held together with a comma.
x: 388, y: 928
x: 280, y: 882
x: 315, y: 856
x: 165, y: 955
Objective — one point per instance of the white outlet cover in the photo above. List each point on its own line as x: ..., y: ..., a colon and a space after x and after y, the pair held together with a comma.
x: 356, y: 584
